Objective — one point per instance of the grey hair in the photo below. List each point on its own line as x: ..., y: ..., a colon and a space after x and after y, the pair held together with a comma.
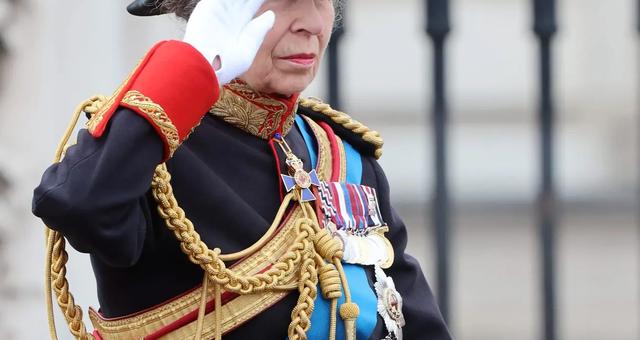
x: 183, y: 9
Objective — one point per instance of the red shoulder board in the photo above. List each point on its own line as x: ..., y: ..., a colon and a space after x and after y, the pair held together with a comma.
x: 173, y: 87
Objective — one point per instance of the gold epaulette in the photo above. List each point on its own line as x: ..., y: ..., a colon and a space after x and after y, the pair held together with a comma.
x: 364, y: 133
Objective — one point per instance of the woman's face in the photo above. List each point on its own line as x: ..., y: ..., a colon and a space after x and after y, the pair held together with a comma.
x: 290, y: 55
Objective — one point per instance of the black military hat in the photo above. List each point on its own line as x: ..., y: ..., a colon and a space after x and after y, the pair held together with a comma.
x: 146, y: 8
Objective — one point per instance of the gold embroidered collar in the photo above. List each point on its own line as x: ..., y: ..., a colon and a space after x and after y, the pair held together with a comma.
x: 259, y: 114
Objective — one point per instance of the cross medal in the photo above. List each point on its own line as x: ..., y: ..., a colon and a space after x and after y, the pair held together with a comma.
x: 298, y: 178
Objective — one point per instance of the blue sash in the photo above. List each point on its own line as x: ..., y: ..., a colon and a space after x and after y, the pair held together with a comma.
x: 361, y: 292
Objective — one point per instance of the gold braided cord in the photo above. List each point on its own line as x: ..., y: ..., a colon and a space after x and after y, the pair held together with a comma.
x: 299, y: 257
x: 56, y: 256
x: 325, y: 159
x: 301, y: 313
x: 339, y: 117
x: 211, y: 260
x: 53, y: 334
x: 308, y: 252
x: 71, y: 312
x: 304, y: 260
x: 89, y: 106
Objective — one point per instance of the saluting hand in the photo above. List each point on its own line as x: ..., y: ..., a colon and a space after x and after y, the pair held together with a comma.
x: 227, y: 29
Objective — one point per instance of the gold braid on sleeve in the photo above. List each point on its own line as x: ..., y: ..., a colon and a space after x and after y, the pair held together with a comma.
x: 157, y: 115
x: 368, y: 135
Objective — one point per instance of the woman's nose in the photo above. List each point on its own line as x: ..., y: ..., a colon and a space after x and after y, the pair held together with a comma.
x: 309, y: 18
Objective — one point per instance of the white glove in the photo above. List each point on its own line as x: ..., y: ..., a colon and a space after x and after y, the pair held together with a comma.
x: 227, y: 29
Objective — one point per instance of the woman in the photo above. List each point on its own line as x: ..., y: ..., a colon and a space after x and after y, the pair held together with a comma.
x: 288, y: 180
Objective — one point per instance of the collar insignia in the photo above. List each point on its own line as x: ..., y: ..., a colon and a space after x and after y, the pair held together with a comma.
x: 259, y: 114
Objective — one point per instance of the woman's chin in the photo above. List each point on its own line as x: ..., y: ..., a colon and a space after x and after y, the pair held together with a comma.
x: 284, y: 84
x: 291, y: 84
x: 286, y: 87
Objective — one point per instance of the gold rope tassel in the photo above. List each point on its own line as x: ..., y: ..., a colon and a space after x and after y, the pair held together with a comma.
x: 330, y: 285
x: 329, y: 249
x: 349, y: 310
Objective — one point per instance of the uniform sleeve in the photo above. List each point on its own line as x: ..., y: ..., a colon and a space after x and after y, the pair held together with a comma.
x: 96, y: 195
x: 421, y: 312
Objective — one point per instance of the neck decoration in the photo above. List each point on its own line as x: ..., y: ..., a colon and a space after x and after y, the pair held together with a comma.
x: 262, y: 115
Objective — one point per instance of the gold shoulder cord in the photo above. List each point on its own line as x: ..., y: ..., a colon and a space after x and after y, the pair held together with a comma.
x: 314, y: 255
x: 339, y: 117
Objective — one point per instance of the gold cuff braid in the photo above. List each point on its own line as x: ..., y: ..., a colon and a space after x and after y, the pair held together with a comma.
x: 157, y: 115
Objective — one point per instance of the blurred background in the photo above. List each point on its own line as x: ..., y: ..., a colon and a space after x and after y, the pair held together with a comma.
x: 53, y: 54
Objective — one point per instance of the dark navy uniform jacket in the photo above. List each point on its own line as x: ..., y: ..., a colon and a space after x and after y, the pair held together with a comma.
x: 226, y: 181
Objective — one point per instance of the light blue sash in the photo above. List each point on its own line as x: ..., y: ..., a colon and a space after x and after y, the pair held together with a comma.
x: 361, y: 291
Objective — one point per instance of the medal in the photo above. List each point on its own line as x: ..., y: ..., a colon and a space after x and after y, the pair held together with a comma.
x: 298, y: 178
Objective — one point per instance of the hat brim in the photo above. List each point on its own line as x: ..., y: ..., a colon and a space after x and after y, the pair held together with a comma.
x: 146, y: 8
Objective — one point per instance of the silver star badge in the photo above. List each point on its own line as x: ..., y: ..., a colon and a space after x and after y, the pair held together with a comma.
x: 389, y: 303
